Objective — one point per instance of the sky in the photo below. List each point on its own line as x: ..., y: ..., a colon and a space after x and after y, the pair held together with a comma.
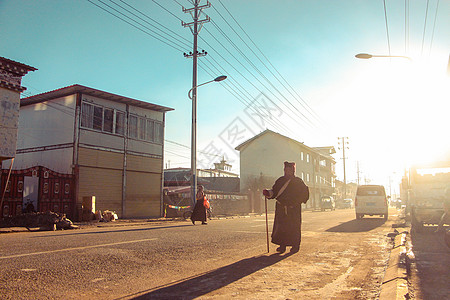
x: 291, y: 68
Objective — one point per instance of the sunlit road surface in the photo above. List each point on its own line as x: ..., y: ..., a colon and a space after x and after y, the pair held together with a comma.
x: 339, y: 257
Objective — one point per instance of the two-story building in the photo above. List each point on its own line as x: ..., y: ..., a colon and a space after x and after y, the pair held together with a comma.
x: 76, y: 143
x: 261, y: 163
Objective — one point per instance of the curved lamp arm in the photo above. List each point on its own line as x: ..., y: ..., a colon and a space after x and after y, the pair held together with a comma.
x: 217, y: 79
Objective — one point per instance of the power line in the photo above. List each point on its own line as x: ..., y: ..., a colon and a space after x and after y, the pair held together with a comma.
x: 185, y: 42
x: 168, y: 11
x: 387, y: 28
x: 434, y: 26
x: 178, y: 45
x: 187, y: 147
x: 425, y: 26
x: 228, y: 62
x: 305, y: 105
x: 245, y: 78
x: 261, y: 74
x: 406, y: 26
x: 140, y: 29
x: 240, y: 98
x: 276, y: 77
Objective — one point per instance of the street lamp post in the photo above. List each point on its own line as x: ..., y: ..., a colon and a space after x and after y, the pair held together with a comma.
x: 193, y: 97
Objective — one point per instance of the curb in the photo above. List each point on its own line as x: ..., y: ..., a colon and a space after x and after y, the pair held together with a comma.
x: 395, y: 281
x: 119, y: 223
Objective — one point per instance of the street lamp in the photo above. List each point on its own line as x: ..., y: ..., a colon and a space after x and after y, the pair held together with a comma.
x: 217, y: 79
x: 194, y: 135
x: 367, y: 56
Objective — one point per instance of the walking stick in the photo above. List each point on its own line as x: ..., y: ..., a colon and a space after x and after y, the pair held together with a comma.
x: 267, y: 225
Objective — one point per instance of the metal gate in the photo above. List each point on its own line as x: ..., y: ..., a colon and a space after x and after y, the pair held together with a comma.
x: 39, y: 189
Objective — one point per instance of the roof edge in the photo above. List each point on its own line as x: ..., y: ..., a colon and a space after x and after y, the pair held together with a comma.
x: 77, y: 88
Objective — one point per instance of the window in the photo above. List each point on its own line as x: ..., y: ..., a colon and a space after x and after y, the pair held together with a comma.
x: 132, y: 131
x: 307, y: 158
x: 87, y: 116
x: 98, y: 117
x: 141, y: 128
x: 307, y: 177
x: 303, y: 175
x: 145, y: 129
x: 113, y: 121
x: 102, y: 119
x: 150, y: 131
x: 158, y: 133
x: 301, y: 155
x: 108, y: 120
x: 120, y: 121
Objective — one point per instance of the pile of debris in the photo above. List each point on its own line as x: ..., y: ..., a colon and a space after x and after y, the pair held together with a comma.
x: 42, y: 220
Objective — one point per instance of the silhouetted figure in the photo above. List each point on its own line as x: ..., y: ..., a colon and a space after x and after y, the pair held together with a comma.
x: 290, y: 192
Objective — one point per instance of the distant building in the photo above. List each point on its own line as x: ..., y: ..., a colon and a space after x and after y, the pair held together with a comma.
x: 350, y: 190
x: 11, y: 73
x: 78, y: 142
x: 218, y: 179
x: 261, y: 163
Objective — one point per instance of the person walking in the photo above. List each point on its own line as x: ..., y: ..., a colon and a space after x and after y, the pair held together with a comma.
x: 201, y: 205
x: 290, y: 192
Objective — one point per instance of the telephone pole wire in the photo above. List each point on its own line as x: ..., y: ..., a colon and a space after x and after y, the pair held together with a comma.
x: 195, y: 27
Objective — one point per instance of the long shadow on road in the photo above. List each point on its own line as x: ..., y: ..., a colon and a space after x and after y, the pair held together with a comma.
x: 362, y: 225
x: 203, y: 284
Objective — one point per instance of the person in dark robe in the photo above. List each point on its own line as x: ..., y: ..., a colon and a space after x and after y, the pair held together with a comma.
x: 290, y: 192
x: 201, y: 204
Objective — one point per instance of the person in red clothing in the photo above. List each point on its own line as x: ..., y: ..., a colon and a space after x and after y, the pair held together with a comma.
x: 290, y: 192
x: 201, y: 205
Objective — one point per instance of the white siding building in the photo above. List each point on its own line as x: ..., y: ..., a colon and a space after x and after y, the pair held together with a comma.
x: 262, y: 158
x: 111, y: 145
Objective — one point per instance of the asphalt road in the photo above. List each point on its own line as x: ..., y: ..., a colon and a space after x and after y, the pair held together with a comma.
x: 339, y: 257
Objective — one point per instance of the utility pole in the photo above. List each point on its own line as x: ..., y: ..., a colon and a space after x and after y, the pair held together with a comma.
x: 357, y: 171
x: 195, y: 27
x: 344, y: 145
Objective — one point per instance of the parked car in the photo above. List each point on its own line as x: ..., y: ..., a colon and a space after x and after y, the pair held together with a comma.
x: 327, y: 203
x: 371, y: 200
x: 347, y: 203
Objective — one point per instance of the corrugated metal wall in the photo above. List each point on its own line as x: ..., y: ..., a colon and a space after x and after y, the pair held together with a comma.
x: 143, y: 193
x: 104, y: 184
x: 100, y: 175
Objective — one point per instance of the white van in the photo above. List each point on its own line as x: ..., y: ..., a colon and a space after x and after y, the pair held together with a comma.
x: 371, y: 200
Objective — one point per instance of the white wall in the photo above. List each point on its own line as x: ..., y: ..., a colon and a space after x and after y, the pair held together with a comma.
x: 267, y: 155
x: 47, y: 123
x: 58, y: 160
